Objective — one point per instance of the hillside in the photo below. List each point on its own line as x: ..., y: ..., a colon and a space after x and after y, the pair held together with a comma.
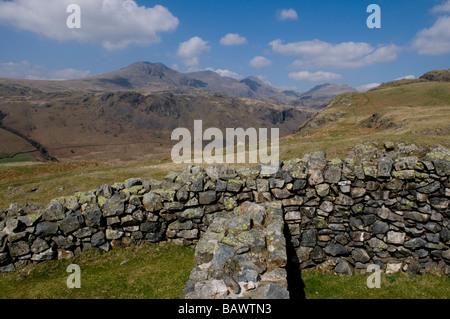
x: 412, y: 111
x: 125, y: 126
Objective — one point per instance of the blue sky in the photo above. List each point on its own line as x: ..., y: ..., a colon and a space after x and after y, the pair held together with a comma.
x: 290, y: 44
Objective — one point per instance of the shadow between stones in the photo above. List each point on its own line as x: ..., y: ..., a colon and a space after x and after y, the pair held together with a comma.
x: 296, y: 286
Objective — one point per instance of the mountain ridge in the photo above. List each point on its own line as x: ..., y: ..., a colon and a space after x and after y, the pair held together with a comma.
x: 157, y: 77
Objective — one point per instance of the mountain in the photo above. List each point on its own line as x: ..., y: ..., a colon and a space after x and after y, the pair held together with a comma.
x: 156, y: 77
x: 321, y: 95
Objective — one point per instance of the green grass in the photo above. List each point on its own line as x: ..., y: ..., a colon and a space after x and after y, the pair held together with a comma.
x: 40, y: 183
x: 4, y: 158
x: 144, y: 271
x: 154, y: 271
x: 393, y: 286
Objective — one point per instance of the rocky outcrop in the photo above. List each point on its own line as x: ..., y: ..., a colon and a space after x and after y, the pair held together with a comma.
x: 437, y: 75
x: 382, y: 204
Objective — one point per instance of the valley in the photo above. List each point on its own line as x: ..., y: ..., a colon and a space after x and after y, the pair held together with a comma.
x: 128, y: 115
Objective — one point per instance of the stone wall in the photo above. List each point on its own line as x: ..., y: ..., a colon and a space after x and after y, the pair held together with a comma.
x: 242, y: 255
x: 384, y: 204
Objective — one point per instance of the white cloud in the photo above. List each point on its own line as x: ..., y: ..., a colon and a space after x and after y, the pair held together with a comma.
x: 406, y: 77
x: 26, y: 70
x: 319, y: 76
x: 260, y: 62
x: 191, y: 49
x: 444, y: 7
x: 114, y: 24
x: 436, y: 39
x: 233, y: 39
x: 227, y: 73
x: 343, y: 55
x: 367, y: 87
x: 287, y: 14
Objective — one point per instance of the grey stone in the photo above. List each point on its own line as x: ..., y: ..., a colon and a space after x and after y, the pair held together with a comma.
x: 357, y: 192
x: 309, y: 238
x: 359, y: 236
x: 430, y: 188
x: 359, y: 254
x: 322, y: 190
x: 197, y: 185
x: 30, y: 219
x: 98, y: 239
x: 415, y: 243
x: 332, y: 174
x: 13, y: 225
x: 335, y: 249
x: 384, y: 168
x: 211, y: 289
x: 63, y: 242
x: 177, y: 225
x: 234, y: 185
x: 44, y: 229
x: 112, y: 234
x: 439, y: 203
x: 369, y: 219
x: 221, y: 255
x: 72, y: 222
x: 105, y: 190
x: 396, y: 238
x: 254, y: 238
x: 416, y: 216
x: 344, y: 267
x: 380, y: 227
x: 83, y: 232
x: 19, y: 248
x: 39, y: 245
x: 315, y: 177
x: 152, y: 202
x: 182, y: 194
x: 344, y: 200
x: 281, y: 193
x: 191, y: 213
x: 150, y: 227
x: 132, y: 182
x: 442, y: 167
x: 299, y: 184
x: 326, y: 206
x: 54, y: 212
x: 318, y: 255
x: 268, y: 291
x: 445, y: 234
x: 207, y: 197
x: 386, y: 214
x: 173, y: 206
x: 114, y: 206
x: 93, y: 216
x: 433, y: 227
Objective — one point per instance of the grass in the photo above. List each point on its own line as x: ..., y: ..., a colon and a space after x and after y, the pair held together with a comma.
x: 5, y: 158
x: 155, y: 271
x: 393, y: 286
x: 39, y: 183
x: 144, y: 271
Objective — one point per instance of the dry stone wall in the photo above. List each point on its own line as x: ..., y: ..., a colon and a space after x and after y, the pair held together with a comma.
x: 382, y: 204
